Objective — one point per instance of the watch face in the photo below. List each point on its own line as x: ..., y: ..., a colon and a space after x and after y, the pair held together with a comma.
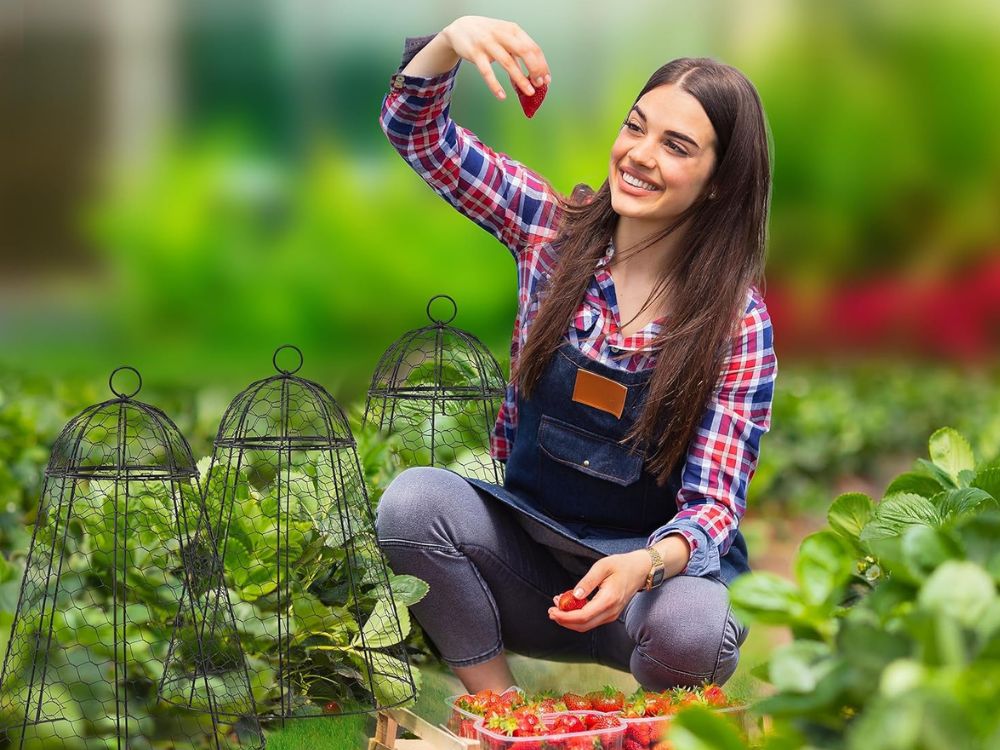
x: 657, y: 576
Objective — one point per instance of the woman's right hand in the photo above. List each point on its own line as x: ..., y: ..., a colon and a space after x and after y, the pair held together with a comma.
x: 482, y: 41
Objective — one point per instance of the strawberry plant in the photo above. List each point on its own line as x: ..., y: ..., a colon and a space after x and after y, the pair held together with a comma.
x: 895, y: 615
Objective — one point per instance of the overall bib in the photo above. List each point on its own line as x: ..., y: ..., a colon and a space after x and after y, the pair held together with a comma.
x: 571, y: 481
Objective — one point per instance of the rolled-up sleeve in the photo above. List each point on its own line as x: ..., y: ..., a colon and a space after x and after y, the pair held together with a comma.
x: 501, y: 195
x: 722, y: 456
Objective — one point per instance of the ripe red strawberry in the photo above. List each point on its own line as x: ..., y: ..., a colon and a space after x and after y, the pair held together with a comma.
x: 609, y: 699
x: 639, y: 732
x: 571, y: 723
x: 596, y: 721
x: 714, y: 696
x: 530, y: 104
x: 568, y: 602
x: 628, y: 744
x: 576, y: 702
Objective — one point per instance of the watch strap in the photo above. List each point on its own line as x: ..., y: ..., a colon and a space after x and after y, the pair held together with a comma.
x: 655, y: 576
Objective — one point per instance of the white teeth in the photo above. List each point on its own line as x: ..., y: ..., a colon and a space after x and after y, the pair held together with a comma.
x: 637, y: 183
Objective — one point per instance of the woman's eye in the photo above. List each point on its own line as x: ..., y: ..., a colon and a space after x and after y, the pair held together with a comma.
x: 632, y: 126
x: 673, y: 146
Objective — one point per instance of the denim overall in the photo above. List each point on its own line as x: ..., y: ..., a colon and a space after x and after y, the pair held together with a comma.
x: 570, y: 477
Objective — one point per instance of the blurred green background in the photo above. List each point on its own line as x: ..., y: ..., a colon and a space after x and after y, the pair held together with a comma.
x: 186, y: 185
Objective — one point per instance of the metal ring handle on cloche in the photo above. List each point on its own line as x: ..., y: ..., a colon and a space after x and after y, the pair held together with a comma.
x: 111, y: 382
x: 283, y: 371
x: 454, y: 309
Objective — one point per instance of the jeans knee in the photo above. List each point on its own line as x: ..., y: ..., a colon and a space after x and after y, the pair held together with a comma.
x: 685, y: 638
x: 412, y: 501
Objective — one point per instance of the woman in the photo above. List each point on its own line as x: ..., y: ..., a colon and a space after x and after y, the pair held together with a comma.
x: 636, y: 405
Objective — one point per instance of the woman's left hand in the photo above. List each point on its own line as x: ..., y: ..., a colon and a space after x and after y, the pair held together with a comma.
x: 618, y: 578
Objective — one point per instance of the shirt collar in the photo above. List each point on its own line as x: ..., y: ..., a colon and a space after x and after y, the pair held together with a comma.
x: 609, y: 253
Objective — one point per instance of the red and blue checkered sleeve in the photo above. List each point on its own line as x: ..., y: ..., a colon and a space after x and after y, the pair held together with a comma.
x: 722, y: 456
x: 511, y: 202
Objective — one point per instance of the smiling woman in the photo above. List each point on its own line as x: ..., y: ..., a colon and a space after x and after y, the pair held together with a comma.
x: 635, y: 408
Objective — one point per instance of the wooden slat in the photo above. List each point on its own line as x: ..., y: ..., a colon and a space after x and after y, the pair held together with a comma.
x: 434, y: 737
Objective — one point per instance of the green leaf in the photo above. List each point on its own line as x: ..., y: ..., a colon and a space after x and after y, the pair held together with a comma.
x: 256, y: 590
x: 960, y: 590
x: 952, y: 452
x: 386, y: 625
x: 953, y: 503
x: 408, y: 590
x: 798, y: 666
x: 896, y: 512
x: 823, y: 565
x: 391, y: 678
x: 767, y: 598
x: 237, y: 561
x: 912, y: 483
x: 699, y: 728
x: 925, y: 548
x: 849, y: 513
x: 938, y: 474
x: 988, y: 480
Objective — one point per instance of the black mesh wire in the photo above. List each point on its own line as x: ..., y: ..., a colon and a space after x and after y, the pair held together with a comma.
x: 310, y: 590
x: 105, y: 572
x: 436, y: 391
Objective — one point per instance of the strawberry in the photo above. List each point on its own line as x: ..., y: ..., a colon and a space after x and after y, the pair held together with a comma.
x: 551, y: 705
x: 606, y: 700
x: 628, y: 744
x: 571, y: 723
x: 661, y: 705
x: 713, y: 696
x: 576, y: 702
x: 596, y: 721
x: 639, y: 732
x: 530, y: 104
x: 467, y: 729
x: 568, y: 602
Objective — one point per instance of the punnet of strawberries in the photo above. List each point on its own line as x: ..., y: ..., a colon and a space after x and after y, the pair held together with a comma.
x: 646, y: 714
x: 526, y: 729
x: 465, y: 709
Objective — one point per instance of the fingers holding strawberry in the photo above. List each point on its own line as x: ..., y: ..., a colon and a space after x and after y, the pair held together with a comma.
x: 483, y: 41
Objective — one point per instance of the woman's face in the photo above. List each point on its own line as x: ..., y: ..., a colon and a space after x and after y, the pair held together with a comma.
x: 667, y: 143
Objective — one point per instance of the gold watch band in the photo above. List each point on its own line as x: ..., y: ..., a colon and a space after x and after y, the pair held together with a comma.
x: 657, y: 561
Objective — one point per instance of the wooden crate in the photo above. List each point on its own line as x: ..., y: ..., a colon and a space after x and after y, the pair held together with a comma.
x: 429, y: 737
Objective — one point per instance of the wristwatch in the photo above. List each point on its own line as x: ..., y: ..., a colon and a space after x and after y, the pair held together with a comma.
x: 655, y: 576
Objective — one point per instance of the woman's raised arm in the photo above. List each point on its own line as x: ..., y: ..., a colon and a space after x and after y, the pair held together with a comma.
x: 510, y: 201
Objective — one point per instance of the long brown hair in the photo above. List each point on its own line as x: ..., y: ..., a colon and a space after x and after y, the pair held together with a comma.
x: 721, y: 256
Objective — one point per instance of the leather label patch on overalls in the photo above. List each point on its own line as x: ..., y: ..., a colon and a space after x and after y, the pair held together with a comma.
x: 600, y: 392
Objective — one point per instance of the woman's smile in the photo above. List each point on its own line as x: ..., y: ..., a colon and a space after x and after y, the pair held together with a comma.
x: 631, y: 183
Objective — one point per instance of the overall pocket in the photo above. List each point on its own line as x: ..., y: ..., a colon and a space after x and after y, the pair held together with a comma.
x: 589, y: 478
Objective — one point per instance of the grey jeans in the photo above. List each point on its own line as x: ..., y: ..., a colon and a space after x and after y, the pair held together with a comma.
x: 491, y: 584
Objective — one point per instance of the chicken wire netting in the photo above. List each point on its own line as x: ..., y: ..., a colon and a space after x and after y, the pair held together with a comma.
x: 436, y: 392
x: 104, y: 575
x: 311, y: 593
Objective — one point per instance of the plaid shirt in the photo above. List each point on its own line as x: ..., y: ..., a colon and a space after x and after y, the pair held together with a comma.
x: 517, y: 207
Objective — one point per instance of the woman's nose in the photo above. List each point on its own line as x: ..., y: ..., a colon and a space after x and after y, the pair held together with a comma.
x: 642, y: 153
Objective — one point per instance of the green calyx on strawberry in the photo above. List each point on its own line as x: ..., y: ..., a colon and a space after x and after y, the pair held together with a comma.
x: 635, y: 705
x: 607, y: 700
x: 530, y: 104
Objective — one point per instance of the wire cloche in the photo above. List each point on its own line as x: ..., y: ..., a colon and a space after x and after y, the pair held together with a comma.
x: 436, y: 391
x: 312, y: 596
x: 104, y: 576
